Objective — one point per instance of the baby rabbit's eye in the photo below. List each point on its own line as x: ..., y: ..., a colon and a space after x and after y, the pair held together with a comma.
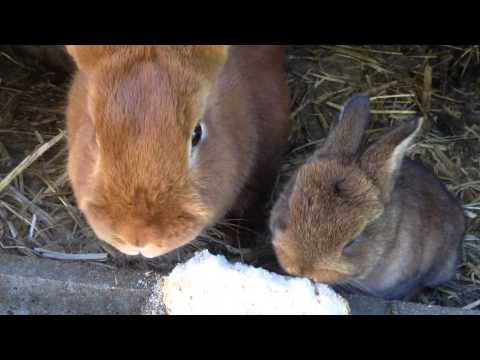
x: 338, y: 186
x: 197, y: 135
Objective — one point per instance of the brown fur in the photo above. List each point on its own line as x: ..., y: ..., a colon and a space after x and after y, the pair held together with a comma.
x: 130, y: 118
x: 405, y: 226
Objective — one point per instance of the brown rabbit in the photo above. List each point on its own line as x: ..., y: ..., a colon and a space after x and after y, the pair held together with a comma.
x: 370, y: 221
x: 166, y: 140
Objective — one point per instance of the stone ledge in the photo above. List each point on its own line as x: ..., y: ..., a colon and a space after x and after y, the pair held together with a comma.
x: 37, y: 286
x: 363, y: 305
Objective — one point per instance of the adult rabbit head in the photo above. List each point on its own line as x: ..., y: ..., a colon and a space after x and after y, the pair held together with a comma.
x: 138, y: 142
x: 162, y: 139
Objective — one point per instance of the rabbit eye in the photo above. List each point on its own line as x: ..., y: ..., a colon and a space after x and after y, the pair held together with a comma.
x: 337, y: 187
x: 197, y: 135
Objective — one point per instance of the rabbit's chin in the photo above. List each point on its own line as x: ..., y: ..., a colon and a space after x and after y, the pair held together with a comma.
x: 152, y: 248
x: 149, y: 251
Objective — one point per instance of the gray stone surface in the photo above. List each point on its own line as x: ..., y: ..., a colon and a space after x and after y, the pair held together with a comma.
x: 34, y: 286
x: 362, y: 305
x: 417, y: 309
x: 38, y: 286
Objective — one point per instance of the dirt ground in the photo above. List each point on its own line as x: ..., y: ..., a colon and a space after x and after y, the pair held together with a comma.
x: 37, y: 209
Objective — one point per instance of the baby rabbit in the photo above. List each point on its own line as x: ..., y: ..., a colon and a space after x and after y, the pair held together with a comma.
x: 373, y: 222
x: 165, y: 140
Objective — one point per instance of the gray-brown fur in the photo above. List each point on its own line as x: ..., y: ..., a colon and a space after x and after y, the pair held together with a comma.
x: 372, y: 221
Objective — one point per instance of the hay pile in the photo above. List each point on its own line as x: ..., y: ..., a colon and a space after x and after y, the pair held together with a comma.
x: 37, y: 212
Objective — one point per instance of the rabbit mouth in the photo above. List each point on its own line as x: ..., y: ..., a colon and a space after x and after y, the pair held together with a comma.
x: 152, y: 248
x: 148, y: 252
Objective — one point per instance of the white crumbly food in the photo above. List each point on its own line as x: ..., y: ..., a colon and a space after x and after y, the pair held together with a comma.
x: 211, y: 285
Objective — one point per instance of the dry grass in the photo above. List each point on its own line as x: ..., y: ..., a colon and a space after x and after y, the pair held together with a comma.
x: 37, y: 212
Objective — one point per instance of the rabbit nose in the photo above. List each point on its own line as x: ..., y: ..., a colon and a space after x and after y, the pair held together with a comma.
x: 137, y: 241
x: 133, y: 236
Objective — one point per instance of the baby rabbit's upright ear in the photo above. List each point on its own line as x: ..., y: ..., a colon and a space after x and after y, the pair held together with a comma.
x: 382, y: 160
x: 345, y: 138
x: 87, y: 56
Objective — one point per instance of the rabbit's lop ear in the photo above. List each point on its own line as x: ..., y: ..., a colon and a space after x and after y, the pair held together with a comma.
x: 219, y: 52
x: 345, y: 138
x: 382, y: 160
x: 209, y: 59
x: 87, y: 56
